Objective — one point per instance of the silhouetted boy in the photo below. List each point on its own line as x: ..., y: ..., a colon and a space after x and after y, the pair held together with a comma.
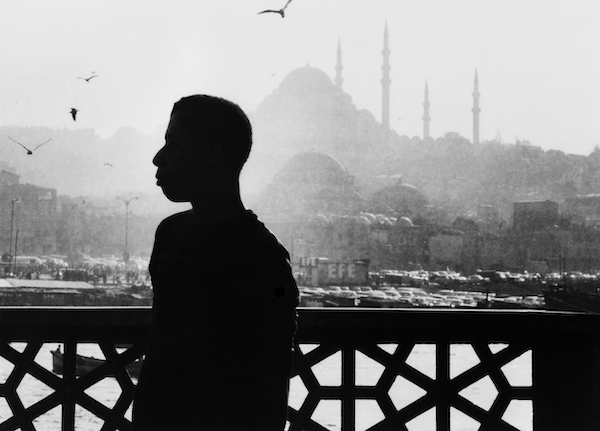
x: 224, y: 315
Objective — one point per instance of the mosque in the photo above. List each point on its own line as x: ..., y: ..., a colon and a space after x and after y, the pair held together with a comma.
x: 316, y: 152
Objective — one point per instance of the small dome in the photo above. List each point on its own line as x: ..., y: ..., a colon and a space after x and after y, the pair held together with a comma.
x: 405, y: 222
x: 380, y: 217
x: 370, y: 217
x: 363, y: 220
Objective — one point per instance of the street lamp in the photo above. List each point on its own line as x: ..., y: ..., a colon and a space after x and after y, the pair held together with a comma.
x: 127, y: 202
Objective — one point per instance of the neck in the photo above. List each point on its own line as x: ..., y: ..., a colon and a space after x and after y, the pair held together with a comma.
x: 222, y: 205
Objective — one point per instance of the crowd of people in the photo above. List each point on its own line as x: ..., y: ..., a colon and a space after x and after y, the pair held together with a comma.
x: 134, y: 274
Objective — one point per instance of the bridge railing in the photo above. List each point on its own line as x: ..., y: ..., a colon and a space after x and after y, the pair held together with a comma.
x: 354, y: 369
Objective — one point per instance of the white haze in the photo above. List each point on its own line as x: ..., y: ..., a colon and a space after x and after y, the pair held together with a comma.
x: 538, y: 64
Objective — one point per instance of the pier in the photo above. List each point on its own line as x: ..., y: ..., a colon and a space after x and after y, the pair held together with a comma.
x: 557, y: 354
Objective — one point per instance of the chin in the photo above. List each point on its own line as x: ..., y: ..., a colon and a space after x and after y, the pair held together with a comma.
x: 174, y: 197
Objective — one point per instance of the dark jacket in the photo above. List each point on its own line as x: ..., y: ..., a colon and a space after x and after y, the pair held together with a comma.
x: 224, y: 317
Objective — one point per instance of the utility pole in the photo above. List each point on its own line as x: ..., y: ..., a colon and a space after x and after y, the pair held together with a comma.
x: 127, y: 202
x: 15, y: 255
x: 12, y: 218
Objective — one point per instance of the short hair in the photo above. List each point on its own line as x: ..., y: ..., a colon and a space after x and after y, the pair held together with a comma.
x: 218, y: 119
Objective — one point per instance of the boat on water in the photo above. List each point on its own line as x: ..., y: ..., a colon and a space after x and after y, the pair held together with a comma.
x: 85, y: 364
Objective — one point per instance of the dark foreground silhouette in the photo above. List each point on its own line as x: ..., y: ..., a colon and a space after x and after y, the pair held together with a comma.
x: 219, y: 356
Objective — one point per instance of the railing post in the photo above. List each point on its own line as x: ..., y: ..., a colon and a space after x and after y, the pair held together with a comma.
x: 70, y: 377
x: 349, y: 387
x: 566, y: 381
x: 442, y: 411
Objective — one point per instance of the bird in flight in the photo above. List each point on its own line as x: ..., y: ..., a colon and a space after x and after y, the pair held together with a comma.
x: 280, y: 11
x: 28, y: 150
x: 87, y: 79
x: 74, y: 113
x: 108, y: 164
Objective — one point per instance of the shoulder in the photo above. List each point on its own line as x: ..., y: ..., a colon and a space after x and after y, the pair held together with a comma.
x: 264, y: 239
x: 174, y: 221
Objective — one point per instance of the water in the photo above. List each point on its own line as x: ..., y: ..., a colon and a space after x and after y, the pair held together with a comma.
x: 327, y: 372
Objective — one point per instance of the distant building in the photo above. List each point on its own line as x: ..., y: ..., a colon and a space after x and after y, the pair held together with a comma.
x: 310, y: 110
x: 310, y: 183
x: 535, y: 215
x: 315, y: 209
x: 446, y: 250
x: 488, y: 213
x: 28, y: 215
x: 584, y: 209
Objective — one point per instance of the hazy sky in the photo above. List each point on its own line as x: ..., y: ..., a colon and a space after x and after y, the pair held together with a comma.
x: 538, y: 61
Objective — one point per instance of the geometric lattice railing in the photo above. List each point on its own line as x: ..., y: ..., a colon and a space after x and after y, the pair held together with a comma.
x: 354, y: 369
x: 400, y: 386
x: 38, y: 388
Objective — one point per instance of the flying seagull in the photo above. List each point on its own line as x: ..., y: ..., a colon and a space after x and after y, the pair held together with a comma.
x: 74, y: 113
x: 280, y: 11
x: 28, y: 150
x: 87, y: 79
x: 108, y: 164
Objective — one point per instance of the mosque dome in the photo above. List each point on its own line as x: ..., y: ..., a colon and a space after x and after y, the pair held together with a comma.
x: 313, y: 167
x: 306, y: 80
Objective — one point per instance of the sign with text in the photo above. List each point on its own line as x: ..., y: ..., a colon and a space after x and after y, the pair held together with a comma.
x: 323, y: 272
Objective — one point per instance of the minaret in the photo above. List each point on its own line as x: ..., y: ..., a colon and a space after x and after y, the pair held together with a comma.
x: 476, y: 110
x: 339, y: 67
x: 426, y: 116
x: 385, y: 81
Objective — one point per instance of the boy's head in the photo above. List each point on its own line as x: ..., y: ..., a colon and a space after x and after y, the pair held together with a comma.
x: 217, y: 120
x: 208, y: 140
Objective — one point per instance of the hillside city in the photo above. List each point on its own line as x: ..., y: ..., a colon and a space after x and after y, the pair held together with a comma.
x: 331, y: 182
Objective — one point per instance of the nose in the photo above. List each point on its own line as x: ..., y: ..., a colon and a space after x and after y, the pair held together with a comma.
x: 158, y: 157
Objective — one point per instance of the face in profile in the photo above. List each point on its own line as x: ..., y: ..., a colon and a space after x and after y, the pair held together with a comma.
x: 183, y: 170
